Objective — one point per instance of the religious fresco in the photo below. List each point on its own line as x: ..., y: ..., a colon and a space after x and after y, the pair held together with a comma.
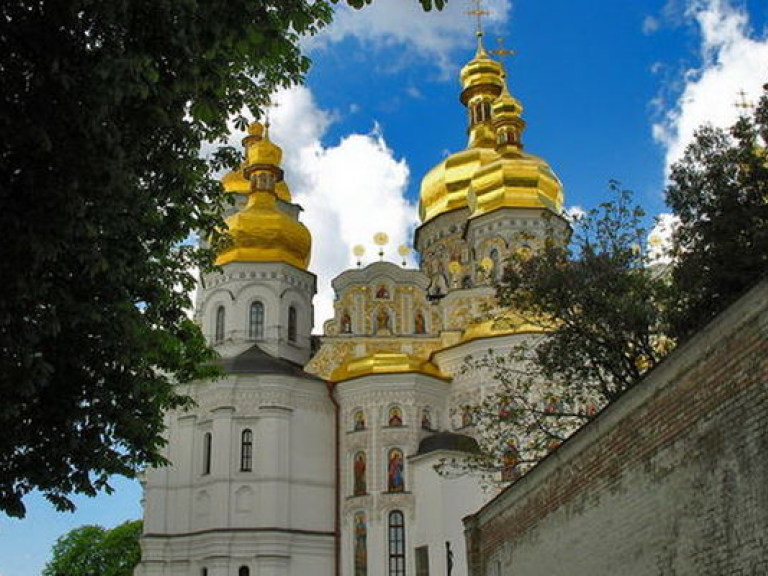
x: 420, y: 325
x: 382, y: 292
x: 346, y: 323
x: 395, y: 471
x: 361, y: 544
x: 509, y: 460
x: 426, y: 419
x: 358, y: 420
x: 358, y: 468
x: 395, y: 416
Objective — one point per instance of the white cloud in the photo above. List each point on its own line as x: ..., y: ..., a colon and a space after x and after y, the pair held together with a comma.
x: 650, y: 25
x: 431, y: 35
x: 349, y: 191
x: 734, y: 58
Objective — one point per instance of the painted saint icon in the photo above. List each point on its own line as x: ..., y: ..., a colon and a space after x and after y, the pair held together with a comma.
x: 426, y: 419
x: 420, y: 325
x: 395, y: 477
x: 382, y: 293
x: 361, y: 545
x: 346, y: 323
x: 359, y: 473
x: 359, y: 420
x: 395, y: 416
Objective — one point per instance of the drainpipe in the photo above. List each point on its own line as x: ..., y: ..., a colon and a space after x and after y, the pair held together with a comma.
x: 337, y: 505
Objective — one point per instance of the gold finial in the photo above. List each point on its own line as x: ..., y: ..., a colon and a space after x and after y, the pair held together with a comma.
x: 478, y: 12
x: 358, y: 251
x: 742, y: 102
x: 403, y: 250
x: 381, y: 240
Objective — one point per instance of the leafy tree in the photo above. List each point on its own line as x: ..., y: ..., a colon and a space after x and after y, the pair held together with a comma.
x: 94, y: 551
x: 104, y: 107
x: 719, y: 191
x: 599, y: 310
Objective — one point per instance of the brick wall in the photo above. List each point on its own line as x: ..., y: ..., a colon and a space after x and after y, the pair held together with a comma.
x: 672, y: 479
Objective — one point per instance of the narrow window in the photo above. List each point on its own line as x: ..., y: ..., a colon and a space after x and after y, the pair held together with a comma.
x: 219, y: 337
x: 396, y: 543
x: 292, y: 324
x: 256, y: 321
x: 422, y: 561
x: 246, y: 451
x: 204, y: 572
x: 243, y: 571
x: 207, y: 445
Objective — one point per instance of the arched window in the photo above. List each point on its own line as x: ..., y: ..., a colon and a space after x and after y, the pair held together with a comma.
x: 256, y: 321
x: 292, y: 324
x: 396, y: 543
x: 207, y: 448
x: 246, y: 451
x: 243, y: 571
x: 219, y: 335
x: 495, y: 269
x: 204, y: 572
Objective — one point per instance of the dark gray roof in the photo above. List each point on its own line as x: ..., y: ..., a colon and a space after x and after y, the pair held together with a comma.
x: 448, y: 441
x: 256, y: 361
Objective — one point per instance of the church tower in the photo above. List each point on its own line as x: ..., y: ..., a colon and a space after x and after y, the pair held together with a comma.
x: 250, y: 489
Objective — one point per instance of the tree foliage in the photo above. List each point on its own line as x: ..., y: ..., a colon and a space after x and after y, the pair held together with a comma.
x: 104, y: 107
x: 94, y: 551
x: 598, y: 304
x: 719, y: 192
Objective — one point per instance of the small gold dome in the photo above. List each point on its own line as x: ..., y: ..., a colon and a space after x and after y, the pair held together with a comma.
x: 261, y: 232
x: 483, y: 75
x: 384, y: 363
x: 259, y: 149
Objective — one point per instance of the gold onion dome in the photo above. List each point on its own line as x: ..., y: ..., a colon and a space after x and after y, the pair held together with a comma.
x: 384, y: 363
x: 515, y: 179
x: 261, y: 231
x: 445, y: 186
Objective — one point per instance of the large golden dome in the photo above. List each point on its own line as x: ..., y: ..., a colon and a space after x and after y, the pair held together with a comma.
x: 261, y: 231
x: 515, y: 179
x: 493, y: 172
x: 445, y: 187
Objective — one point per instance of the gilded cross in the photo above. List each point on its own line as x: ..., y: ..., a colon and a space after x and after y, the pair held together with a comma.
x: 742, y: 102
x: 479, y: 13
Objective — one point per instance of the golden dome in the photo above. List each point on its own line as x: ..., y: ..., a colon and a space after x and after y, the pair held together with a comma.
x: 506, y: 324
x: 515, y: 179
x: 261, y: 231
x: 384, y: 363
x: 445, y: 187
x: 259, y: 149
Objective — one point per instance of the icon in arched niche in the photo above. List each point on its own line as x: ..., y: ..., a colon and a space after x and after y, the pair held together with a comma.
x: 419, y: 323
x: 395, y: 417
x: 382, y: 320
x: 426, y: 419
x: 346, y: 323
x: 358, y: 420
x: 395, y: 471
x: 361, y: 545
x: 510, y: 459
x: 359, y: 466
x: 382, y: 292
x: 467, y: 418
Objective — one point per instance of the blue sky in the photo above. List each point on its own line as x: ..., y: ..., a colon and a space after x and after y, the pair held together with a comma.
x: 611, y: 90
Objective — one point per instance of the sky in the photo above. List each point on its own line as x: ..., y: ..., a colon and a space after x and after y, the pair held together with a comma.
x: 610, y: 90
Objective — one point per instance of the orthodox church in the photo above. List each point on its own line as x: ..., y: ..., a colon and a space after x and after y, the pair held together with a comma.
x: 315, y: 456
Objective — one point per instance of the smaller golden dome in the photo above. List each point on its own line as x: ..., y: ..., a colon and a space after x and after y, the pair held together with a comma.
x: 481, y: 75
x: 506, y: 324
x: 259, y: 149
x: 261, y: 232
x: 385, y: 363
